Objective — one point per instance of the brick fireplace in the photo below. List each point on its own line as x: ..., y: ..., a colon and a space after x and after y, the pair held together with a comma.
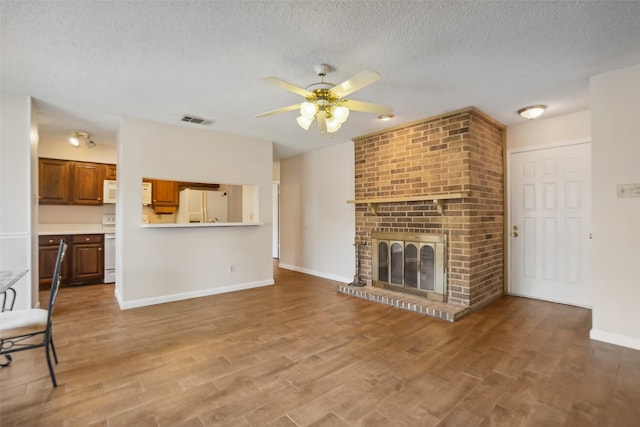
x: 438, y: 176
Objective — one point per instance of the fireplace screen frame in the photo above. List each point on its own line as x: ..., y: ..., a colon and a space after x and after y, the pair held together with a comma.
x: 438, y: 242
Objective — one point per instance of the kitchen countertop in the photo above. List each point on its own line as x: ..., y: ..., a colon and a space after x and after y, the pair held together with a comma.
x: 199, y: 224
x: 54, y: 229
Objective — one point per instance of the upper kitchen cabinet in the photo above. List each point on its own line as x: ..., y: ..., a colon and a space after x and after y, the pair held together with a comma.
x: 110, y: 172
x: 54, y: 182
x: 65, y: 182
x: 165, y: 198
x: 87, y: 183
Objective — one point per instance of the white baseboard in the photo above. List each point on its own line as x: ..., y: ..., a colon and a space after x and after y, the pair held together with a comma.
x: 617, y: 339
x: 124, y: 305
x: 316, y: 273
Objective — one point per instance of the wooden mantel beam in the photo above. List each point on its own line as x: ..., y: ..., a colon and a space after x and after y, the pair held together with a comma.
x: 437, y: 199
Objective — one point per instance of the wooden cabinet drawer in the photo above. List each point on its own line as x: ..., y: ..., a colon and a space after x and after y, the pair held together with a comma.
x: 87, y: 238
x: 52, y: 240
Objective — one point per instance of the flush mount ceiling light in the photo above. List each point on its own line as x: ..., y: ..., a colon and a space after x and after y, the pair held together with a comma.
x: 325, y: 101
x: 532, y: 112
x: 79, y: 137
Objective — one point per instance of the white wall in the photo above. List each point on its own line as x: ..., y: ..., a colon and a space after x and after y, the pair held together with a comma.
x: 615, y: 110
x: 317, y: 226
x: 156, y: 265
x: 56, y: 147
x: 16, y: 194
x: 550, y: 131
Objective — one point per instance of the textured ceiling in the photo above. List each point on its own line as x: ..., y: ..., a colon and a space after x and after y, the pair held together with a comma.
x: 87, y: 63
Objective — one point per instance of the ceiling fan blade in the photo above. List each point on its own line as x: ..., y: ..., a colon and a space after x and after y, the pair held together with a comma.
x: 359, y: 81
x: 280, y: 110
x: 366, y: 107
x: 288, y: 86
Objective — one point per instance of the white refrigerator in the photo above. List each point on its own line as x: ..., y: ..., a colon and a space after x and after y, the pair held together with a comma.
x: 202, y: 206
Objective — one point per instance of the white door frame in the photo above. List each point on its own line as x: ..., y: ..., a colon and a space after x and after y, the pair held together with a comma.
x: 507, y: 189
x: 275, y: 197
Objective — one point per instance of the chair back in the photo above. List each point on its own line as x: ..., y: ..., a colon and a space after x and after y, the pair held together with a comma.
x: 55, y: 281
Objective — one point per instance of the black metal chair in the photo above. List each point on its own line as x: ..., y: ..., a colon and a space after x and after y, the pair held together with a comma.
x: 32, y: 328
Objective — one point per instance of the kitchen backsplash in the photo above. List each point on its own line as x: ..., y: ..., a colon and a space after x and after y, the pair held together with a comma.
x: 60, y: 214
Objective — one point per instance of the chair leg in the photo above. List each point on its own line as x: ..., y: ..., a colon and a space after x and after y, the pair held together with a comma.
x: 53, y: 347
x: 8, y: 360
x: 7, y: 357
x: 51, y: 373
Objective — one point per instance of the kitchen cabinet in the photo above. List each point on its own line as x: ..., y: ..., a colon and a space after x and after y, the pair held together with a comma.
x: 87, y: 264
x: 110, y: 172
x: 87, y: 183
x: 47, y: 254
x: 66, y: 182
x: 83, y: 263
x: 54, y: 182
x: 165, y: 196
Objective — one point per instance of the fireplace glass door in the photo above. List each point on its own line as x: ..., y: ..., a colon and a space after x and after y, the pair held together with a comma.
x: 410, y: 265
x: 415, y: 265
x: 427, y: 270
x: 396, y: 263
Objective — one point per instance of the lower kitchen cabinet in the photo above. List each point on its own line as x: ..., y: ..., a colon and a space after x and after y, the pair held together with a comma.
x: 83, y: 262
x: 87, y: 259
x: 47, y: 254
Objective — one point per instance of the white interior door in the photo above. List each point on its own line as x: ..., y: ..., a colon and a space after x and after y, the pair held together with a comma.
x: 550, y: 206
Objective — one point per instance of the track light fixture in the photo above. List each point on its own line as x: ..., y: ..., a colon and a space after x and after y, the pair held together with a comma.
x: 80, y: 136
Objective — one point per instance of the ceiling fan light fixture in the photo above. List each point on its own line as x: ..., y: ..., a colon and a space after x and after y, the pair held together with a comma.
x: 341, y: 114
x: 304, y: 122
x: 325, y: 102
x: 385, y: 117
x: 333, y: 124
x: 532, y: 112
x: 308, y: 110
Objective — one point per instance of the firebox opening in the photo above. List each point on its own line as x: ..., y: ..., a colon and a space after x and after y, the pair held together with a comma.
x: 412, y: 263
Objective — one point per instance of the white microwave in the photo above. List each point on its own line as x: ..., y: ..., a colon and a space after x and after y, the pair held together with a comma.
x: 109, y: 191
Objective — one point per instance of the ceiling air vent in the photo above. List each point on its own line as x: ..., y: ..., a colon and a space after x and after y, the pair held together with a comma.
x: 196, y: 120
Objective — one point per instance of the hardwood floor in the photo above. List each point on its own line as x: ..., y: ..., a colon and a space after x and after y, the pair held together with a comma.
x: 300, y: 354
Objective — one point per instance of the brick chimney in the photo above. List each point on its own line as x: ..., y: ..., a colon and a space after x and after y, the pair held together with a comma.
x: 460, y: 153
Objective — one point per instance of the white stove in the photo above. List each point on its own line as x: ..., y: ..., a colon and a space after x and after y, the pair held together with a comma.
x: 109, y: 228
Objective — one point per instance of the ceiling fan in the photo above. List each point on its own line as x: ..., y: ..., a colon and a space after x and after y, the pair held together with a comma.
x: 325, y: 101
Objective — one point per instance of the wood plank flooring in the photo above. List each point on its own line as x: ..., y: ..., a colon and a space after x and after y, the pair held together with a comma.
x: 301, y: 354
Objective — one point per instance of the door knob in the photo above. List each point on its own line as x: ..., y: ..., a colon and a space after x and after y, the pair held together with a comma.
x: 514, y: 234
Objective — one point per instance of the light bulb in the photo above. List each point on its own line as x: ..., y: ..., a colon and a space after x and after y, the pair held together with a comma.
x: 74, y: 141
x: 341, y: 114
x: 308, y: 110
x: 333, y: 124
x: 304, y: 122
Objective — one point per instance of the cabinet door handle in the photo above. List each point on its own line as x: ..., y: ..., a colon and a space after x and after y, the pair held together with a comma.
x: 87, y: 239
x: 50, y: 241
x: 99, y: 249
